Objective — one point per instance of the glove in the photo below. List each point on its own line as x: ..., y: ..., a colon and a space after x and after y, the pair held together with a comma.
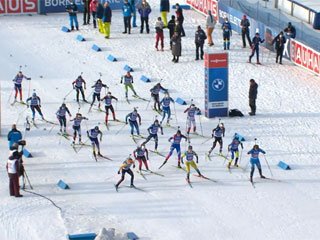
x: 27, y: 106
x: 134, y: 166
x: 197, y: 161
x: 126, y: 122
x: 119, y: 172
x: 85, y: 88
x: 140, y: 123
x: 161, y: 133
x: 100, y: 139
x: 29, y: 78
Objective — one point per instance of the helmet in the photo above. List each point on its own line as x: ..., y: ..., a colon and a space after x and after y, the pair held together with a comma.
x: 34, y: 94
x: 80, y: 76
x: 135, y: 110
x: 78, y: 114
x: 190, y: 147
x: 96, y: 128
x: 156, y: 121
x: 63, y: 105
x: 109, y: 93
x: 99, y: 81
x: 192, y: 105
x: 178, y: 132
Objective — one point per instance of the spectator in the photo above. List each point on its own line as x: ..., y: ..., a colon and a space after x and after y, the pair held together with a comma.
x: 210, y: 24
x: 171, y: 27
x: 227, y: 33
x: 280, y: 41
x: 127, y: 11
x: 144, y: 11
x: 72, y: 9
x: 200, y: 37
x: 159, y: 33
x: 253, y: 92
x: 93, y: 10
x: 176, y: 47
x: 106, y: 19
x: 164, y: 8
x: 245, y: 31
x: 134, y: 13
x: 180, y: 18
x: 14, y: 169
x: 86, y: 11
x: 290, y: 31
x: 14, y: 136
x: 255, y: 47
x: 100, y: 10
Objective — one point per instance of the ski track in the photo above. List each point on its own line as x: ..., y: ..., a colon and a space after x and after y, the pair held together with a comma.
x: 286, y: 127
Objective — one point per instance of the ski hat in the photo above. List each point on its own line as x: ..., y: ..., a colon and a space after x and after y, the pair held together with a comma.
x: 178, y: 132
x: 244, y: 16
x: 173, y: 17
x: 63, y: 105
x: 96, y: 128
x: 99, y: 81
x: 14, y: 126
x: 78, y: 114
x: 135, y: 109
x: 156, y: 121
x: 34, y: 94
x: 256, y: 146
x: 190, y: 147
x: 109, y: 93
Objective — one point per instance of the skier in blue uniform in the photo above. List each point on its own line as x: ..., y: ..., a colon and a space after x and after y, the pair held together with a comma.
x: 108, y: 105
x: 61, y: 115
x: 18, y: 84
x: 93, y: 136
x: 132, y: 117
x: 97, y: 91
x: 77, y: 126
x: 254, y: 160
x: 35, y: 104
x: 153, y: 133
x: 234, y: 149
x: 165, y: 102
x: 217, y: 133
x: 77, y: 85
x: 191, y: 119
x: 142, y: 156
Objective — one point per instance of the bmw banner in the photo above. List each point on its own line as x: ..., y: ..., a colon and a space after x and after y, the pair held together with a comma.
x: 216, y: 84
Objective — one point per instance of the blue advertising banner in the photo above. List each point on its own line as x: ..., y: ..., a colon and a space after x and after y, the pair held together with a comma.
x: 216, y: 85
x: 55, y: 6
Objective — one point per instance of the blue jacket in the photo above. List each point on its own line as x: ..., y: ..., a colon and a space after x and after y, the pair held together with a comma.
x: 133, y: 5
x: 144, y: 10
x: 126, y: 10
x: 100, y: 11
x: 164, y: 6
x: 14, y: 136
x: 107, y: 14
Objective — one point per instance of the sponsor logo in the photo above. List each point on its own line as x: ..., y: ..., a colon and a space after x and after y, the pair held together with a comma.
x: 205, y: 5
x: 18, y: 6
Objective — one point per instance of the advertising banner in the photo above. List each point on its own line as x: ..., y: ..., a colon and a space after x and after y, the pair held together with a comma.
x: 204, y: 5
x: 18, y: 7
x: 305, y: 57
x: 216, y: 85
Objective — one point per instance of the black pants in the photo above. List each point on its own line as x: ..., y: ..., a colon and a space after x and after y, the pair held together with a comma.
x: 217, y: 140
x: 123, y: 174
x: 94, y: 96
x: 181, y: 27
x: 252, y: 104
x: 156, y: 101
x: 86, y: 15
x: 245, y: 33
x: 62, y: 121
x: 144, y: 20
x: 94, y: 16
x: 155, y: 137
x: 78, y: 90
x: 127, y: 24
x: 279, y: 55
x: 199, y: 46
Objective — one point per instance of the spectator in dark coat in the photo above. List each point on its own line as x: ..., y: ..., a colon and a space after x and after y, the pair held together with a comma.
x: 100, y: 10
x: 86, y: 11
x: 290, y: 31
x: 255, y: 47
x: 164, y: 9
x: 200, y: 37
x: 106, y: 19
x: 176, y: 47
x: 171, y: 27
x: 177, y: 28
x: 279, y: 41
x: 245, y: 31
x: 180, y: 18
x: 253, y: 92
x: 144, y: 11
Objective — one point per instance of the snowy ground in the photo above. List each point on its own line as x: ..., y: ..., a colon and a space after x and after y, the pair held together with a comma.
x: 286, y: 127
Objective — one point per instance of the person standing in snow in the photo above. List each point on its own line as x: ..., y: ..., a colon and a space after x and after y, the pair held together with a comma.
x: 217, y: 133
x: 141, y: 155
x: 133, y: 117
x: 234, y: 149
x: 255, y: 47
x: 61, y: 115
x: 144, y: 11
x: 279, y: 41
x: 125, y: 168
x: 191, y: 119
x: 254, y: 160
x: 253, y: 92
x: 164, y: 9
x: 245, y: 31
x: 199, y: 38
x: 14, y: 136
x: 93, y: 10
x: 290, y: 31
x: 171, y: 27
x: 35, y: 104
x: 14, y: 169
x: 106, y: 20
x: 77, y: 126
x: 86, y: 11
x: 159, y: 33
x: 77, y: 84
x: 176, y: 47
x: 210, y: 24
x: 97, y: 91
x: 165, y: 102
x: 72, y: 9
x: 155, y: 94
x: 128, y: 83
x: 227, y: 33
x: 100, y: 10
x: 153, y: 133
x: 93, y: 136
x: 134, y: 12
x: 18, y: 85
x: 190, y: 155
x: 108, y: 105
x: 180, y: 18
x: 127, y: 12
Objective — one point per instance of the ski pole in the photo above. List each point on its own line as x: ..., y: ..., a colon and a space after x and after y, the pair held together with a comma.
x: 268, y: 165
x: 26, y: 175
x: 200, y: 125
x: 120, y: 129
x: 175, y: 112
x: 65, y: 97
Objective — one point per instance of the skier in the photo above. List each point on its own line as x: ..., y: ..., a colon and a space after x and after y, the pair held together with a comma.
x: 108, y: 105
x: 128, y: 81
x: 234, y: 148
x: 166, y: 107
x: 153, y: 133
x: 35, y: 104
x: 190, y: 155
x: 127, y: 11
x: 255, y: 47
x: 93, y: 136
x: 227, y: 33
x: 217, y: 133
x: 72, y: 9
x: 210, y: 24
x: 77, y: 84
x: 155, y: 94
x: 61, y: 115
x: 200, y: 37
x: 280, y: 41
x: 17, y: 85
x: 14, y: 136
x: 86, y: 11
x: 77, y: 126
x: 180, y: 18
x: 175, y: 145
x: 254, y: 160
x: 142, y: 156
x: 171, y: 27
x: 125, y: 168
x: 253, y: 92
x: 164, y: 8
x: 191, y: 112
x: 159, y: 33
x: 245, y: 31
x: 97, y: 90
x: 106, y: 19
x: 144, y: 11
x: 14, y: 169
x: 133, y: 121
x: 93, y: 10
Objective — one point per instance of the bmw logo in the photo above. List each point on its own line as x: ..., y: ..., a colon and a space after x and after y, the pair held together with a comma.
x: 218, y: 84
